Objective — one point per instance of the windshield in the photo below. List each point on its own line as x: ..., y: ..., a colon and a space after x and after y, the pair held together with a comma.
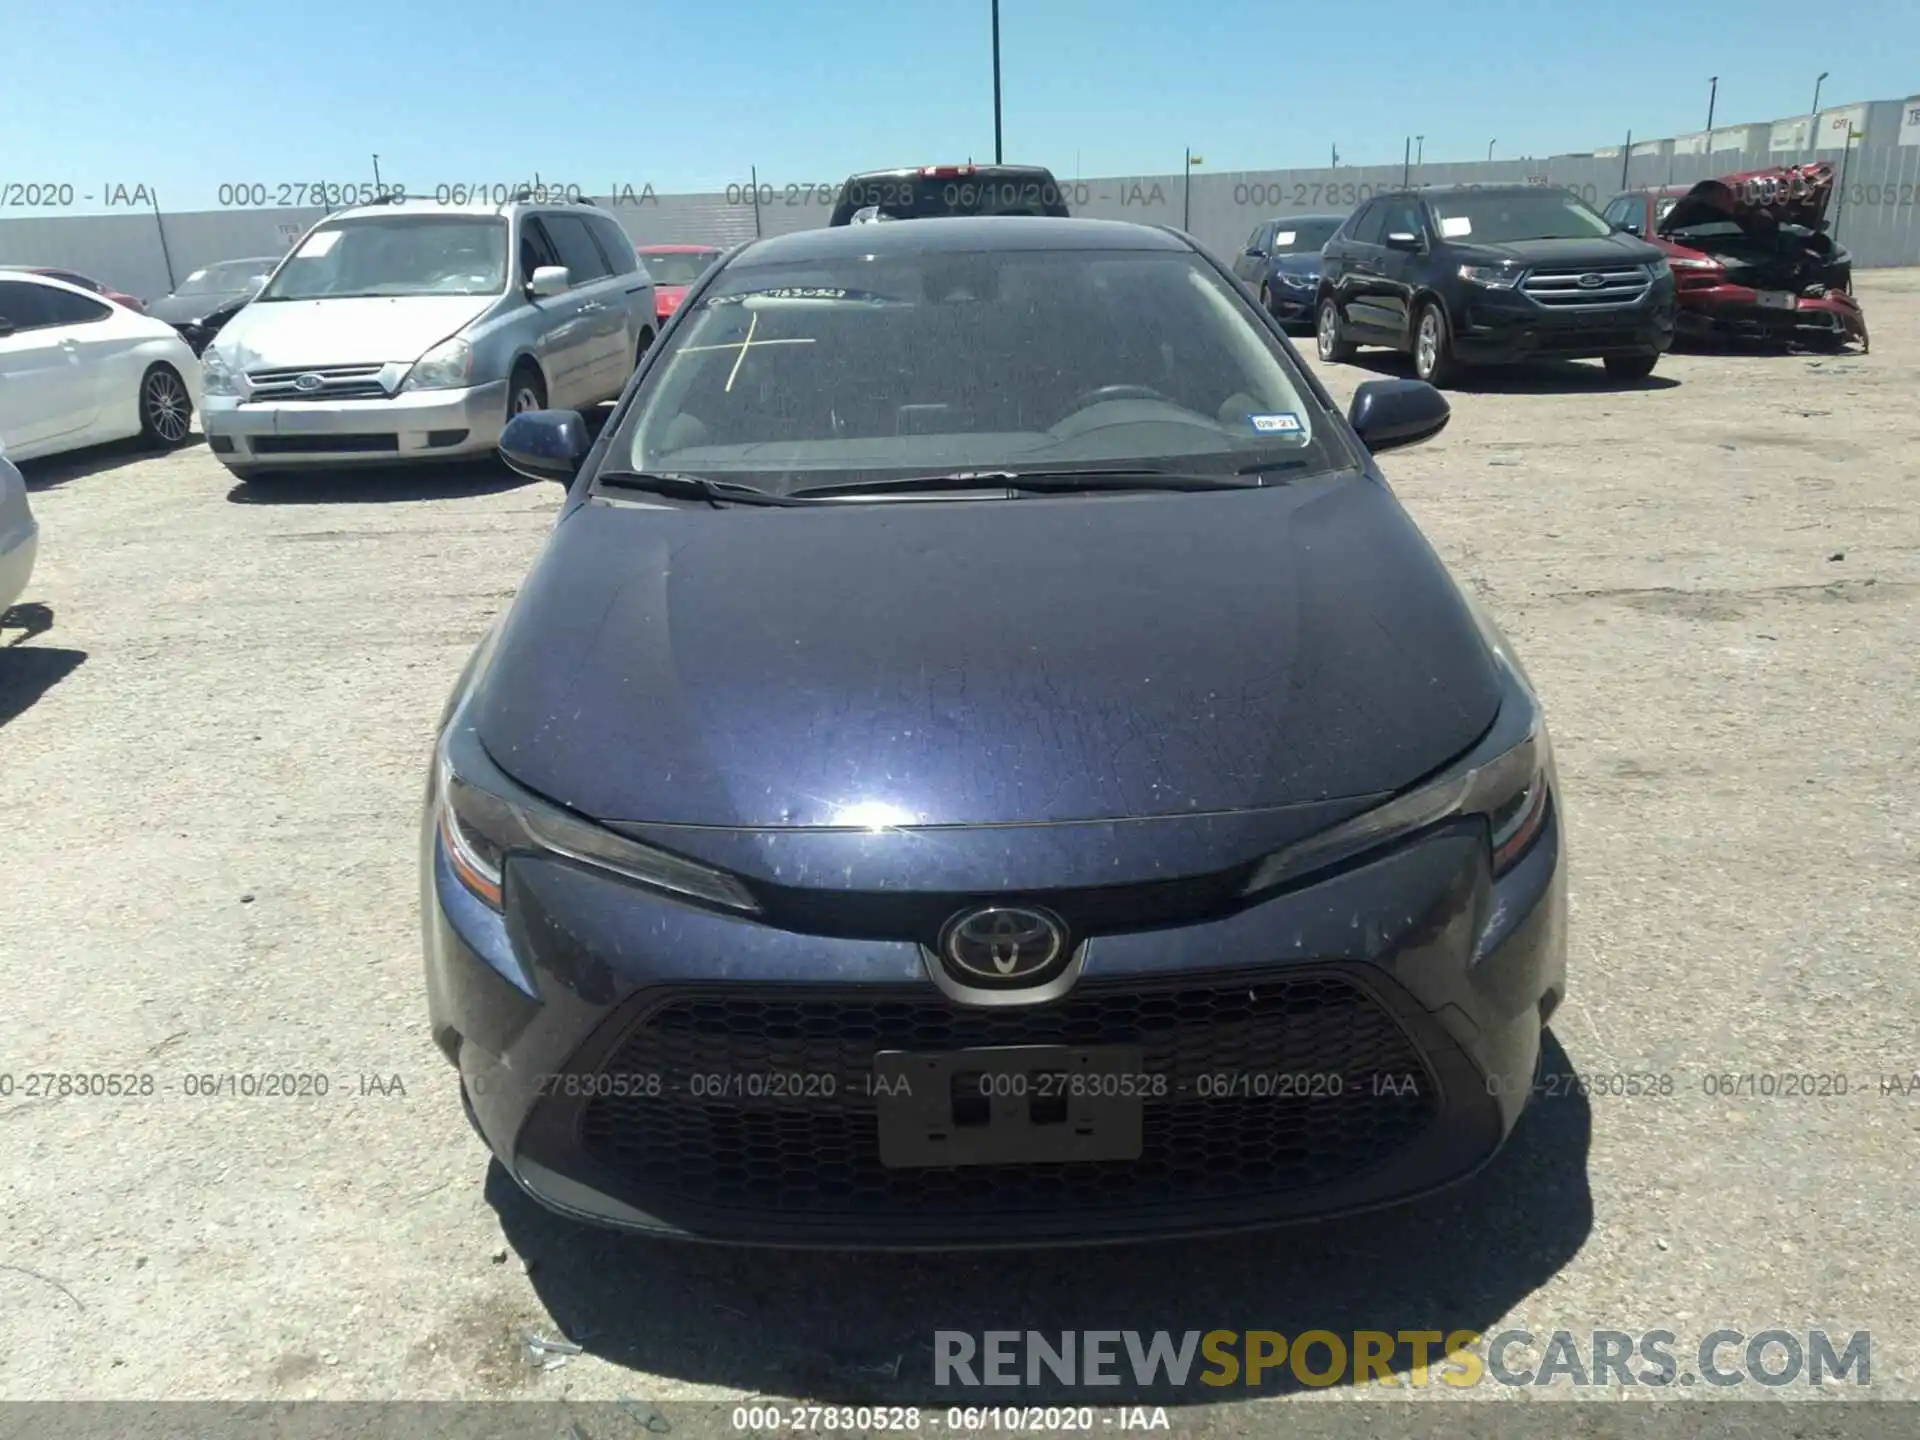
x: 227, y: 278
x: 397, y: 255
x: 1500, y: 217
x: 677, y: 267
x: 1302, y: 237
x: 792, y: 376
x: 983, y: 192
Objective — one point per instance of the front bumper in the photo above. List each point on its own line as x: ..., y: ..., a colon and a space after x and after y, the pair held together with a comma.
x: 584, y: 1023
x: 413, y: 425
x: 18, y: 548
x: 1505, y: 327
x: 1291, y: 304
x: 1722, y: 311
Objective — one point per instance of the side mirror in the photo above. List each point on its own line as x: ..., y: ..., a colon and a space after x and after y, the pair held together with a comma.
x: 545, y: 444
x: 1254, y: 252
x: 1387, y: 414
x: 549, y: 280
x: 1403, y: 240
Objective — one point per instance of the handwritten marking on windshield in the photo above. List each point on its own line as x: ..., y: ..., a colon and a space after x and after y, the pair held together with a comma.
x: 743, y: 346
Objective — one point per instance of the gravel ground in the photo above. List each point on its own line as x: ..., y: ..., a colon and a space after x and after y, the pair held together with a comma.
x: 214, y: 740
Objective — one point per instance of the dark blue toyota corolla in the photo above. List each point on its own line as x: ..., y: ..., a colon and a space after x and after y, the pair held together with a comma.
x: 984, y: 758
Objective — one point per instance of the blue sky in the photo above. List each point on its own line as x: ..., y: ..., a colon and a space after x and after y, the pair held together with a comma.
x: 184, y: 96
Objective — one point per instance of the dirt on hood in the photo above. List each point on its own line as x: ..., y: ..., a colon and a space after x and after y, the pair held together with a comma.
x: 1759, y: 200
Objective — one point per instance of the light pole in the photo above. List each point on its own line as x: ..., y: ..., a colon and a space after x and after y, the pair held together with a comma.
x: 1419, y: 148
x: 996, y: 82
x: 1816, y: 94
x: 1490, y: 145
x: 1186, y: 191
x: 1713, y: 93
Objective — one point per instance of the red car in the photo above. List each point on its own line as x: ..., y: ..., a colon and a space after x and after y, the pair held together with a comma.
x: 1751, y: 255
x: 674, y: 268
x: 73, y: 278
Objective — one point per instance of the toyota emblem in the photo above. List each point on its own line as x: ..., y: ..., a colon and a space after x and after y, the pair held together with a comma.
x: 307, y: 384
x: 1004, y: 945
x: 1591, y: 281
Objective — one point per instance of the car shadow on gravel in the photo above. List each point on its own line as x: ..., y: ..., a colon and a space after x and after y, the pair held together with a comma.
x: 1555, y: 377
x: 382, y: 485
x: 28, y: 672
x: 859, y: 1328
x: 57, y: 470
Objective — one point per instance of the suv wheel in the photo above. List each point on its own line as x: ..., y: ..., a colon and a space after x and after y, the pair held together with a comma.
x: 1330, y: 335
x: 1433, y: 358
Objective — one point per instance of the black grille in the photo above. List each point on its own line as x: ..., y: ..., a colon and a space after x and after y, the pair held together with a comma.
x: 322, y: 444
x: 817, y: 1152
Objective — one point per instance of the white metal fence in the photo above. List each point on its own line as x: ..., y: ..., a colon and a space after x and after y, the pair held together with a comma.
x: 146, y: 252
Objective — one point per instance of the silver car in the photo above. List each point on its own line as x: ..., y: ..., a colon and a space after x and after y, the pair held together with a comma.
x: 19, y: 534
x: 412, y: 331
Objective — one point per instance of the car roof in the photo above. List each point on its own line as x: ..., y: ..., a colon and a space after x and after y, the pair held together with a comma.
x: 477, y: 207
x: 915, y: 170
x: 959, y: 233
x: 1303, y: 219
x: 679, y: 249
x: 1442, y: 192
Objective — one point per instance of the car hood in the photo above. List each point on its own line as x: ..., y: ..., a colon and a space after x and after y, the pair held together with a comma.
x: 987, y: 662
x: 1597, y: 251
x: 350, y: 330
x: 182, y: 309
x: 1757, y: 199
x: 1305, y: 263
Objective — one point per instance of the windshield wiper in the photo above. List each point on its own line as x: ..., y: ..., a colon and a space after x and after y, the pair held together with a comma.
x: 1043, y: 481
x: 692, y: 487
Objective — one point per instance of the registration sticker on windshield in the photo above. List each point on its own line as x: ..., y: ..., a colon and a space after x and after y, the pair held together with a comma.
x: 319, y: 243
x: 1452, y: 227
x: 1285, y: 424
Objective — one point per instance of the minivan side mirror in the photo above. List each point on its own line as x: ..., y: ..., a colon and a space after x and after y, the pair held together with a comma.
x: 1254, y: 252
x: 549, y: 280
x: 546, y: 444
x: 1403, y: 240
x: 1387, y: 414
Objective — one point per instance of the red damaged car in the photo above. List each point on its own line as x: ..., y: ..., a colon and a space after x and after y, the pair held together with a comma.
x: 674, y: 268
x: 1751, y: 256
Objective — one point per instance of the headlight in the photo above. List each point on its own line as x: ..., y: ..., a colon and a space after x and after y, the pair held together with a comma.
x: 216, y: 377
x: 1494, y: 277
x: 447, y: 366
x: 1298, y: 279
x: 1509, y: 788
x: 483, y: 818
x: 1659, y: 270
x: 1688, y: 262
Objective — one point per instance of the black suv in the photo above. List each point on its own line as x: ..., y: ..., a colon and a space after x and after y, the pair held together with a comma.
x: 928, y: 191
x: 1491, y: 274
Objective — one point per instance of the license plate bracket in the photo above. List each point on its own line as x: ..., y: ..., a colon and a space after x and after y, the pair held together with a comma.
x: 1009, y: 1105
x: 1777, y: 300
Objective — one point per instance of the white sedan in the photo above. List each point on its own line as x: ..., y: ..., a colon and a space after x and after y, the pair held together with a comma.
x: 77, y: 369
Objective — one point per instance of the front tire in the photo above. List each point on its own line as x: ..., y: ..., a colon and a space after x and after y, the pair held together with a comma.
x: 1630, y: 367
x: 1433, y: 358
x: 166, y: 409
x: 527, y: 390
x: 1330, y: 336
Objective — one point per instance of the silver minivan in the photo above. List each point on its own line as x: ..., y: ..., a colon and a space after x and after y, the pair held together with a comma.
x: 411, y: 330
